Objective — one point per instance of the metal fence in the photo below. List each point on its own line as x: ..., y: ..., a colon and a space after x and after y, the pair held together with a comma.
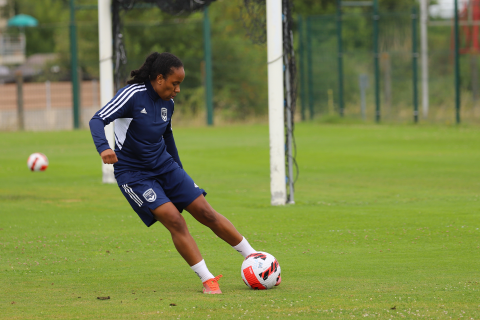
x: 332, y: 73
x: 330, y: 57
x: 40, y: 106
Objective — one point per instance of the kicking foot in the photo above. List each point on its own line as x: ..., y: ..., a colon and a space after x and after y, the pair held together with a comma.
x: 279, y: 280
x: 211, y: 286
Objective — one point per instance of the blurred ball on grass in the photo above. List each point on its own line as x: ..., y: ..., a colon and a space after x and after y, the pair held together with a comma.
x: 37, y: 162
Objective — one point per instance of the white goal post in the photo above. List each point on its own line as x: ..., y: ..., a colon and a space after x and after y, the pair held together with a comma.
x: 106, y: 74
x: 278, y: 189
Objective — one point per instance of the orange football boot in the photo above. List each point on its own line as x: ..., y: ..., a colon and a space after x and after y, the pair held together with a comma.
x: 211, y: 286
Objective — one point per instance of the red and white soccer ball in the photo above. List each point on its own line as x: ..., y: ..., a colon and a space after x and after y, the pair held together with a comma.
x: 37, y: 162
x: 260, y: 271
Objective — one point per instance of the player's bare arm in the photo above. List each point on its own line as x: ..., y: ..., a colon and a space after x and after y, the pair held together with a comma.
x: 109, y: 156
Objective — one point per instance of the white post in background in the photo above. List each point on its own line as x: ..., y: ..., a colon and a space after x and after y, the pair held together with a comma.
x: 424, y: 54
x: 106, y: 74
x: 50, y: 115
x: 48, y: 95
x: 94, y: 93
x: 278, y: 188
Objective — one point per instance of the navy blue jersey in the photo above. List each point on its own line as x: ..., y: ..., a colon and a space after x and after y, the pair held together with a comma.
x: 143, y: 130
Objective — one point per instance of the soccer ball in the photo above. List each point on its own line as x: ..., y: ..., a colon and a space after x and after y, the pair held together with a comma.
x: 37, y: 162
x: 260, y: 271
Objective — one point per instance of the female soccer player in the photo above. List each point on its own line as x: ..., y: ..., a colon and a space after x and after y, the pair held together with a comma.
x: 147, y: 166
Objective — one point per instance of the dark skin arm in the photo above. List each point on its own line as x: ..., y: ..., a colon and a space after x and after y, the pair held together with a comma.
x: 108, y: 156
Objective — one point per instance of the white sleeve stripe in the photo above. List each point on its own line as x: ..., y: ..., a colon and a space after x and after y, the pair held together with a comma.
x: 132, y: 195
x: 118, y: 99
x: 104, y: 116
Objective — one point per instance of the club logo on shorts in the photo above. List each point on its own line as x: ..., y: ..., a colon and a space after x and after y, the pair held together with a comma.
x: 150, y: 195
x: 164, y: 114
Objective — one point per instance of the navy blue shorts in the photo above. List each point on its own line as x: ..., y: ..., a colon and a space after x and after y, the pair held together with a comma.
x: 146, y: 190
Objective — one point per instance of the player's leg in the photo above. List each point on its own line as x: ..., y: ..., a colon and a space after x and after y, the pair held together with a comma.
x: 185, y: 194
x: 148, y: 199
x: 171, y: 218
x: 201, y: 210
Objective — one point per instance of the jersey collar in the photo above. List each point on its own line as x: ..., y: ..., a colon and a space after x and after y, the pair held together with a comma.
x: 153, y: 95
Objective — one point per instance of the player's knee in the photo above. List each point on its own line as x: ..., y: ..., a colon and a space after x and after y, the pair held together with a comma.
x: 176, y: 224
x: 208, y: 216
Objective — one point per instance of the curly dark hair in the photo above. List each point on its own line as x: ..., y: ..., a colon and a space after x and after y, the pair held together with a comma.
x: 155, y: 64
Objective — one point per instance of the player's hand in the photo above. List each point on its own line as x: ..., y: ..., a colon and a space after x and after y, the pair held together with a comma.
x: 109, y: 156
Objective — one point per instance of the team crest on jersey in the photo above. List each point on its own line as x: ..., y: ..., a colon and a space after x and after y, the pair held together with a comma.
x: 150, y: 195
x: 164, y: 114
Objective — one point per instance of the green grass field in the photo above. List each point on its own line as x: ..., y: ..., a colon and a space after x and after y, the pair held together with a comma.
x: 385, y: 225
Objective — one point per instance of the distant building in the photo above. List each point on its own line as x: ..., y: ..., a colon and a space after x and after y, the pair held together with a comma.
x: 12, y: 47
